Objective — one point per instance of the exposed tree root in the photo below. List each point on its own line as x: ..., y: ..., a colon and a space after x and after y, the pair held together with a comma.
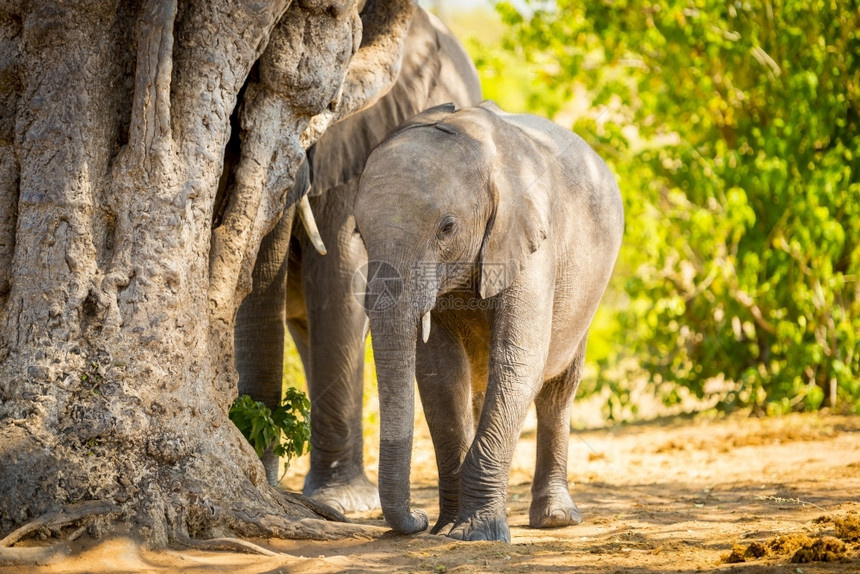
x: 61, y: 517
x: 54, y: 519
x: 33, y: 555
x: 227, y: 544
x: 244, y: 522
x: 241, y: 521
x: 324, y: 510
x: 313, y: 529
x: 278, y: 515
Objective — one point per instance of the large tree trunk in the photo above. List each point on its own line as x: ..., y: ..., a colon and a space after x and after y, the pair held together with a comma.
x: 117, y: 297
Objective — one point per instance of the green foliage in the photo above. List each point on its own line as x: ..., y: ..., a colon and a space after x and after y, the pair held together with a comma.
x: 482, y: 32
x: 734, y: 128
x: 286, y: 431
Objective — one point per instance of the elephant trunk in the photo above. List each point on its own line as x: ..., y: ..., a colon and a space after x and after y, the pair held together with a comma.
x: 394, y: 335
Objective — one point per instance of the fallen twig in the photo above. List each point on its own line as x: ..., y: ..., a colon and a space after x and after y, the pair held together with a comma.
x: 791, y: 501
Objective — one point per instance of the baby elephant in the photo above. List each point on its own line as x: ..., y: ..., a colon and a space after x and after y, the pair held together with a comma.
x: 501, y: 230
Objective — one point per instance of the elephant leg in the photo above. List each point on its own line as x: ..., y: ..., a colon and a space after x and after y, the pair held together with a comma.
x: 477, y: 407
x: 297, y: 315
x: 518, y: 353
x: 551, y: 504
x: 336, y: 335
x: 259, y: 333
x: 443, y: 374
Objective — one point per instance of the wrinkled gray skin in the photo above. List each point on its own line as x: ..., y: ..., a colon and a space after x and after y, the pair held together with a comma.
x: 534, y: 218
x: 325, y: 319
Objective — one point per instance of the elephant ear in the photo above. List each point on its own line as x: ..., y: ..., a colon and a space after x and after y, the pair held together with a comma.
x: 519, y: 223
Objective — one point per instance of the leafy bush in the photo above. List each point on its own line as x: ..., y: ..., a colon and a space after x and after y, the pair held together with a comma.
x: 734, y: 128
x: 286, y: 431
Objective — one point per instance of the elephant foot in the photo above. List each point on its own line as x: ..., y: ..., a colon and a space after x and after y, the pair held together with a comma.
x: 357, y: 495
x: 553, y: 511
x: 444, y: 525
x: 482, y: 527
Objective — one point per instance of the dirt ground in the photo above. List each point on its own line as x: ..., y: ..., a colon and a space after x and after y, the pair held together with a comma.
x: 676, y: 495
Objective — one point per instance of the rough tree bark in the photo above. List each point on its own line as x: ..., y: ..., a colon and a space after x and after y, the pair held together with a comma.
x: 117, y: 298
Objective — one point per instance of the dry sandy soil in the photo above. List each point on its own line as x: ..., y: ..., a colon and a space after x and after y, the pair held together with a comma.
x: 677, y: 495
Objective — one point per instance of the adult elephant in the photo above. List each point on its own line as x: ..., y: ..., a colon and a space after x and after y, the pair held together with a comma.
x: 313, y: 293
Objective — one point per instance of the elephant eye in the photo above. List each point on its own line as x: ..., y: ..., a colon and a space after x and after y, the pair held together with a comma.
x: 446, y: 227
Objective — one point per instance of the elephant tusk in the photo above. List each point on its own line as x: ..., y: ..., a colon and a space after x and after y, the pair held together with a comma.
x: 311, y: 225
x: 366, y: 327
x: 425, y: 326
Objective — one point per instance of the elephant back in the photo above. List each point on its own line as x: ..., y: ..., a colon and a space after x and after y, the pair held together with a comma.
x: 435, y: 69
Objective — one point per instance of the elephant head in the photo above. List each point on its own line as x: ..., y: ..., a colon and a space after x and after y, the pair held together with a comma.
x: 464, y: 208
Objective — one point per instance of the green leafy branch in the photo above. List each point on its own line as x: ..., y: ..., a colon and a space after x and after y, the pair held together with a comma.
x: 733, y: 129
x: 286, y: 430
